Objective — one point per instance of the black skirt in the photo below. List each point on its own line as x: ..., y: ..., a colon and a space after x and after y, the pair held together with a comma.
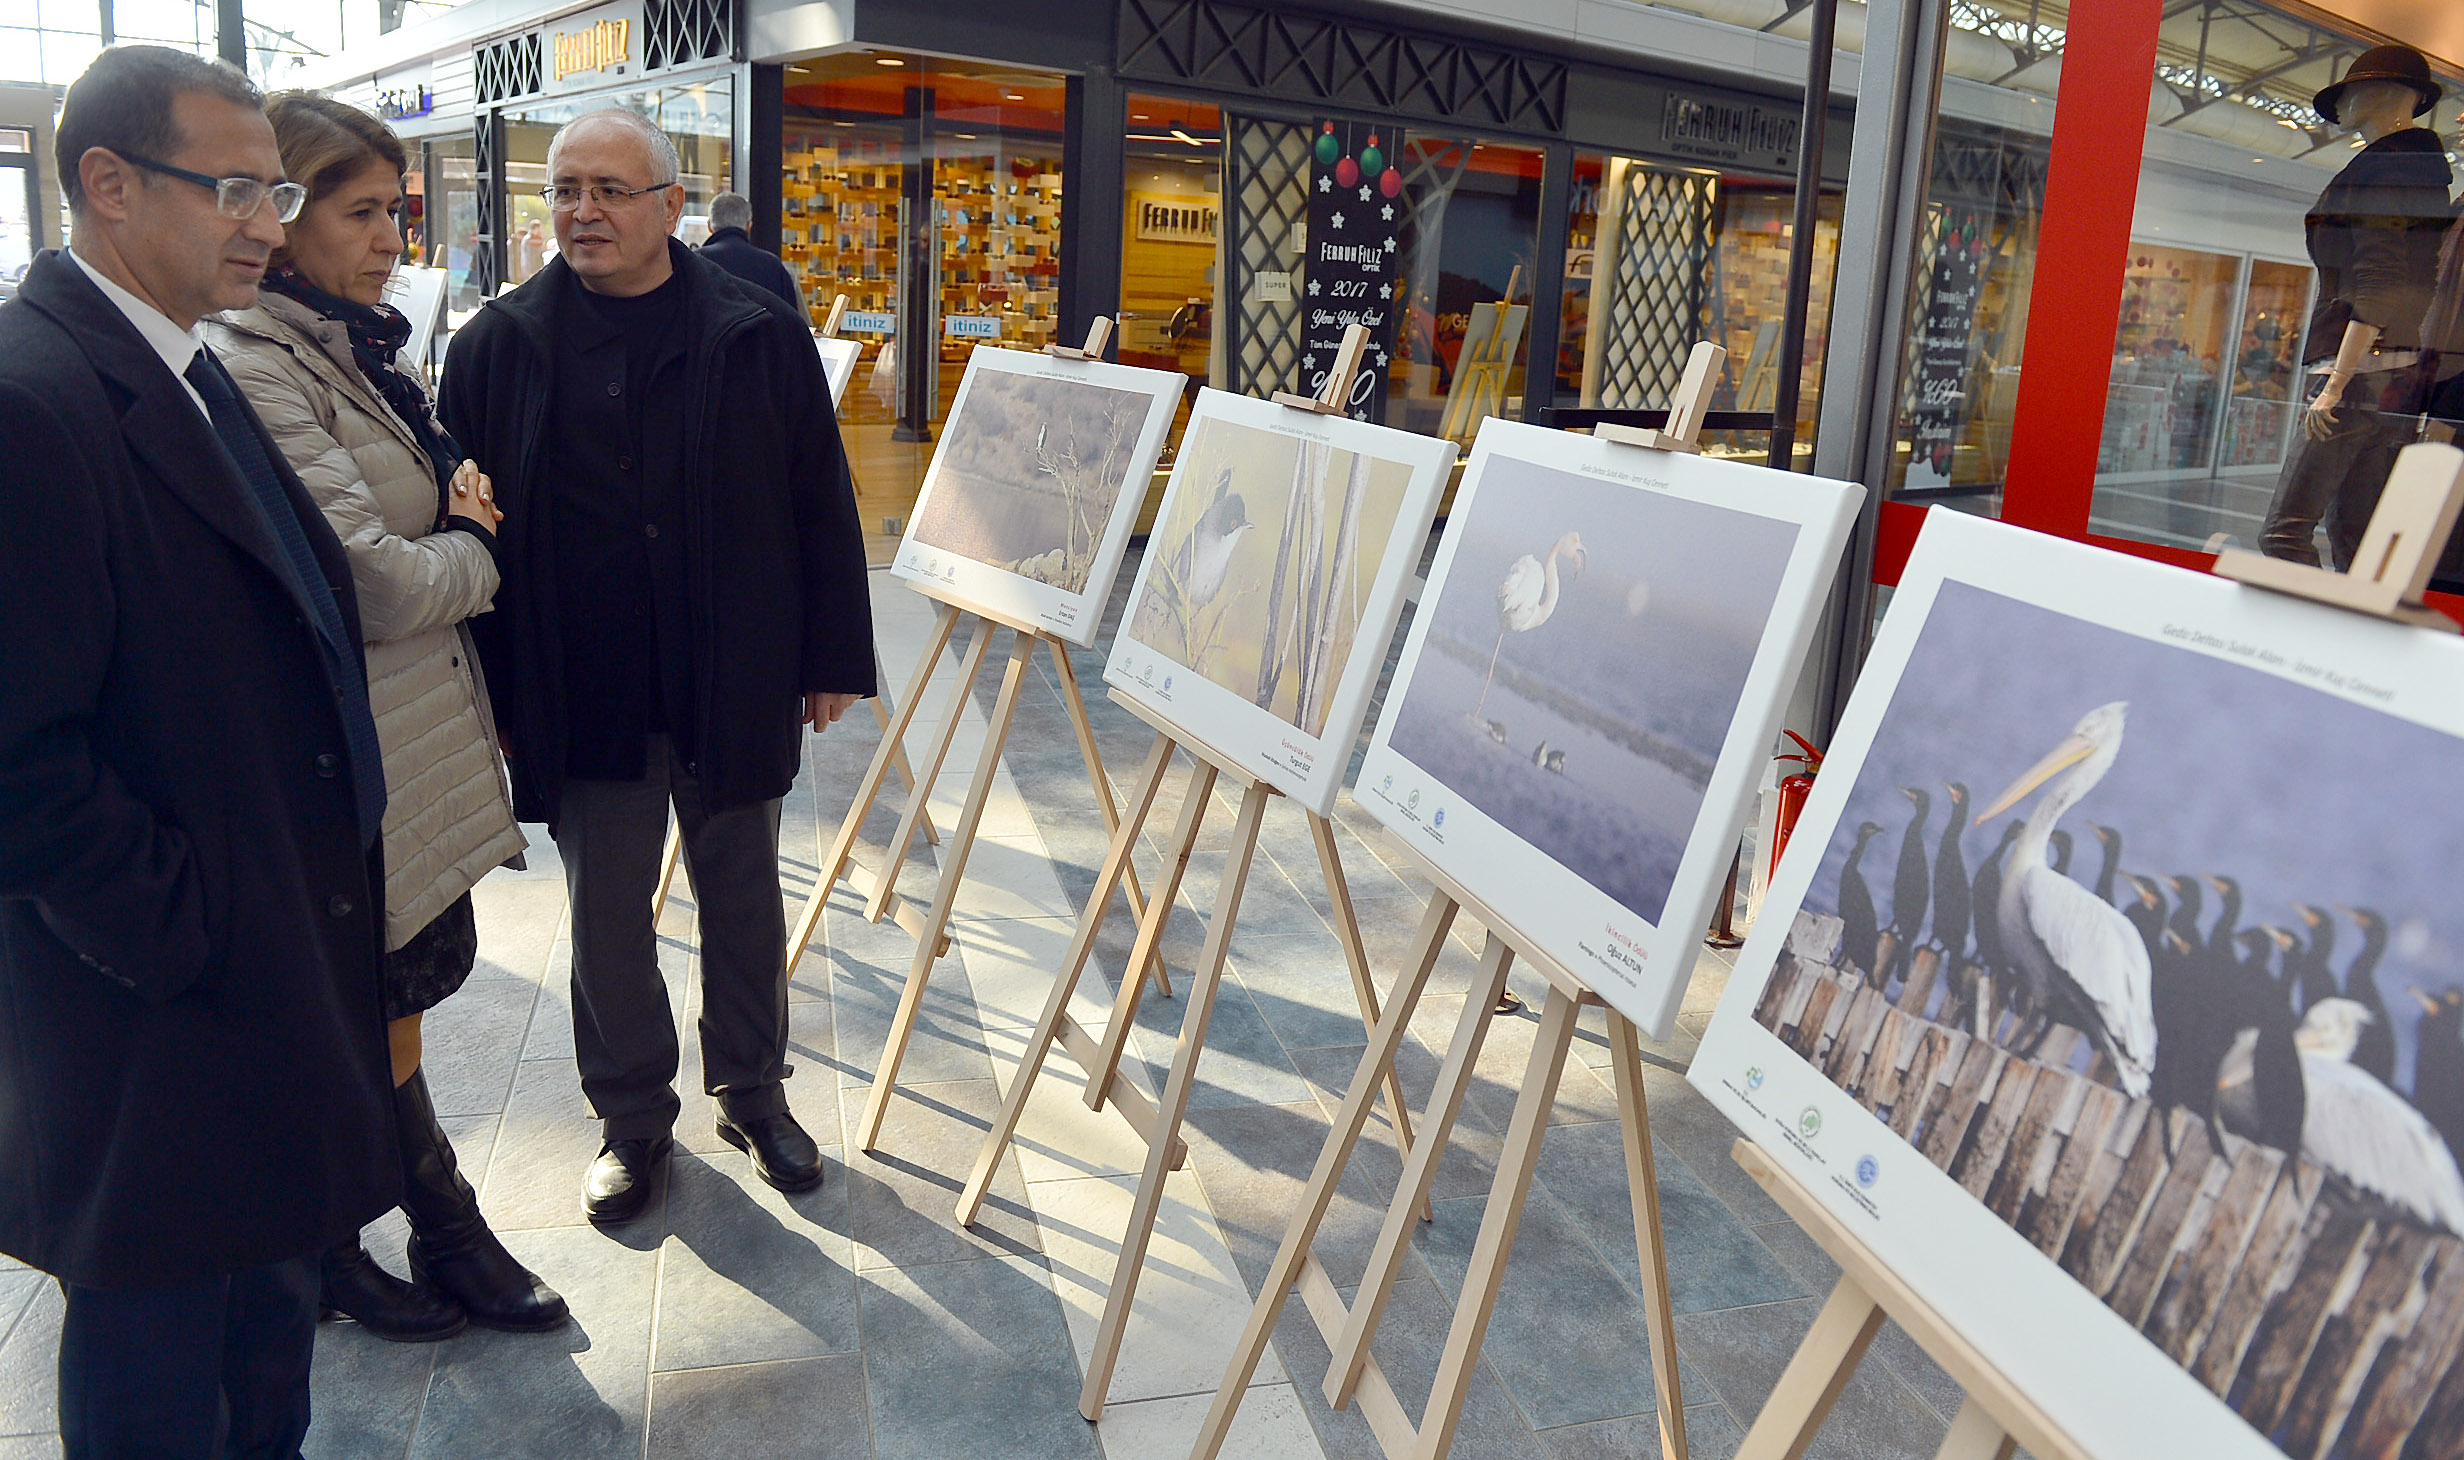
x: 424, y: 972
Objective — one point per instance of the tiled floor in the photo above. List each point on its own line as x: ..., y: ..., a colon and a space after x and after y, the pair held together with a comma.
x: 861, y: 1320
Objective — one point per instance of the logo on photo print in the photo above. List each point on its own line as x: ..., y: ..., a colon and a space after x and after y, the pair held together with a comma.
x: 1869, y: 1171
x: 1439, y: 820
x: 1809, y: 1122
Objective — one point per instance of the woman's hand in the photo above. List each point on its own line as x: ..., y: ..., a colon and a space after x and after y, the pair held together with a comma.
x: 473, y: 497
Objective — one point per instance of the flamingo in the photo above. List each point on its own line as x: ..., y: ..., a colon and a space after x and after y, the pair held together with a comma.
x: 2073, y: 950
x: 1527, y: 596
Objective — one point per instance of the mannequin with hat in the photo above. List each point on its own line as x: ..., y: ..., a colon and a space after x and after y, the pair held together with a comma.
x: 2374, y: 237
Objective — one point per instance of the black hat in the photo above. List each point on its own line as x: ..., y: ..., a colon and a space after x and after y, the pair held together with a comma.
x: 2385, y: 63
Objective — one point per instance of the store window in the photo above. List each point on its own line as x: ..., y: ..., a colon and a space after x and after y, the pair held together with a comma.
x: 698, y: 117
x: 1468, y: 268
x: 452, y: 220
x: 1172, y: 240
x: 1660, y: 256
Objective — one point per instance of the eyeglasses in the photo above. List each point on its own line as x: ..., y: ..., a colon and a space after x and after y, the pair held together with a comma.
x: 234, y: 197
x: 564, y: 197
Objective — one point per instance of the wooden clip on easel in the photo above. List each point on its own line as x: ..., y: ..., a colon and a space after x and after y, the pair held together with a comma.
x: 1994, y: 1419
x: 1350, y: 1328
x: 1686, y: 406
x: 2399, y: 549
x: 1334, y: 398
x: 1158, y: 1121
x: 881, y: 710
x: 1098, y: 335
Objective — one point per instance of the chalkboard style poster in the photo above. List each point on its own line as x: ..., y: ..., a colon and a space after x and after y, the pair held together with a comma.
x: 1273, y: 581
x: 2109, y: 990
x: 1353, y: 270
x: 1941, y: 394
x: 1590, y: 689
x: 1026, y: 508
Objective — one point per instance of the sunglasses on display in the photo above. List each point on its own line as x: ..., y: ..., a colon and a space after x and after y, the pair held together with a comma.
x: 234, y: 197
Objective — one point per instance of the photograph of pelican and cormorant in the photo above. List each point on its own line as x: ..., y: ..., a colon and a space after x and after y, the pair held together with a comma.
x: 1273, y: 580
x: 1027, y: 506
x: 2134, y: 914
x: 1591, y: 685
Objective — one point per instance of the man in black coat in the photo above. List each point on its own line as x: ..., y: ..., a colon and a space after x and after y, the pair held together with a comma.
x: 731, y: 246
x: 684, y: 583
x: 195, y: 1097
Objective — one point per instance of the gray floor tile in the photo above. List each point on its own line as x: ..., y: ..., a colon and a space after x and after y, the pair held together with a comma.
x: 1714, y: 1260
x: 1253, y: 1161
x: 470, y: 1043
x: 752, y: 1274
x: 1694, y: 1128
x: 1242, y: 1064
x: 29, y: 1447
x: 867, y: 981
x: 17, y: 1287
x: 1302, y: 985
x: 367, y: 1394
x: 971, y: 1358
x: 1407, y: 1347
x: 801, y: 1409
x: 30, y: 1366
x: 520, y: 915
x: 1892, y: 1345
x: 1741, y: 1351
x: 1469, y: 1166
x: 1567, y: 1338
x: 903, y: 1195
x: 1709, y: 1435
x: 575, y: 1394
x: 547, y: 1142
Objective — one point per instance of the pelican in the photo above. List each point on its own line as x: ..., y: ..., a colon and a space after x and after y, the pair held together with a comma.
x: 1205, y: 557
x: 1858, y: 927
x: 1909, y: 887
x: 2111, y: 841
x: 2438, y: 1063
x: 2259, y: 1090
x: 2071, y: 949
x: 2366, y: 1133
x: 1951, y: 880
x: 1527, y: 596
x: 2376, y: 1051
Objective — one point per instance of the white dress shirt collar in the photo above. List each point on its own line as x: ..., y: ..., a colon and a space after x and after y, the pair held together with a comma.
x: 177, y: 346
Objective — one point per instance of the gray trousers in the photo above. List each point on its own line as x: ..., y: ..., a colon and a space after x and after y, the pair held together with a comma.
x: 610, y: 834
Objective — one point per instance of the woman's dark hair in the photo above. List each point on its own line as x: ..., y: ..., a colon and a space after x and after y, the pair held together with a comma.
x: 123, y: 104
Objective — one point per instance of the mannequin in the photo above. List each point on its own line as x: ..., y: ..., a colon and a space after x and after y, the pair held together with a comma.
x: 2374, y: 236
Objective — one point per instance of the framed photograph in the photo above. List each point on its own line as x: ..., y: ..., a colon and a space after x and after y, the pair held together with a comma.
x: 1591, y: 687
x: 838, y: 363
x: 1038, y: 475
x: 2110, y: 989
x: 1272, y: 583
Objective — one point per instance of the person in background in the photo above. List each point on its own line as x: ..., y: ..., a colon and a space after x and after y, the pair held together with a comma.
x: 684, y: 581
x: 732, y: 248
x: 194, y: 1097
x: 315, y: 356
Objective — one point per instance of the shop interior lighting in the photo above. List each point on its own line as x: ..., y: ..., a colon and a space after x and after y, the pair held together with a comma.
x: 1180, y: 136
x: 888, y: 61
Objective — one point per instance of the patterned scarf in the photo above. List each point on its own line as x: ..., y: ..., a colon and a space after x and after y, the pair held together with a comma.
x: 377, y: 333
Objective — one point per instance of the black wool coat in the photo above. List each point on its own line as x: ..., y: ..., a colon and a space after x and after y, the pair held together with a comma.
x: 776, y: 602
x: 193, y: 1068
x: 734, y: 250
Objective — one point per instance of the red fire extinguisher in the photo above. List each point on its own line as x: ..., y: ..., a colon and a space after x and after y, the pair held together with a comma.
x: 1794, y: 788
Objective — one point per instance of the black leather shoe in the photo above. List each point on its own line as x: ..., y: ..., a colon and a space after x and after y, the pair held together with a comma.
x: 619, y: 1183
x: 782, y: 1153
x: 352, y: 1285
x: 451, y: 1249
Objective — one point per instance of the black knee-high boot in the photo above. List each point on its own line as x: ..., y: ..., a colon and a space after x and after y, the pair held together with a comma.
x: 451, y: 1247
x: 351, y: 1284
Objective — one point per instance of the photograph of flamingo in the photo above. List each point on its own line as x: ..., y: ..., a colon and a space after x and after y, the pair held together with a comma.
x: 1260, y: 567
x: 1272, y: 583
x: 1583, y: 662
x: 2140, y: 946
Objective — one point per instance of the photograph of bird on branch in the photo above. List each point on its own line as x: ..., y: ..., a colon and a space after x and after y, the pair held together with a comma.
x: 1275, y: 576
x: 1586, y: 650
x: 2159, y: 954
x: 1261, y: 564
x: 1027, y: 504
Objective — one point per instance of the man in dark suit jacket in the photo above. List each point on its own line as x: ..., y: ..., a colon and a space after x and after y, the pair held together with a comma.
x: 194, y: 1087
x: 731, y: 246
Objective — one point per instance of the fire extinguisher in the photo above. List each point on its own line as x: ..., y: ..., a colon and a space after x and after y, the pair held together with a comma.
x: 1794, y: 788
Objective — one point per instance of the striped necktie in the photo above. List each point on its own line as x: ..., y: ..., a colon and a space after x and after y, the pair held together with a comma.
x: 237, y: 428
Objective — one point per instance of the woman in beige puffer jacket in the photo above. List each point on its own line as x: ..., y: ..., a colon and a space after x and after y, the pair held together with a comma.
x: 316, y: 357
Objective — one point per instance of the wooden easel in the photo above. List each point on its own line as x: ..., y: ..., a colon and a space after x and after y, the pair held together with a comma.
x: 881, y: 711
x: 1995, y: 1418
x: 930, y: 927
x: 1353, y: 1372
x: 1480, y: 373
x: 2398, y: 550
x: 1158, y: 1122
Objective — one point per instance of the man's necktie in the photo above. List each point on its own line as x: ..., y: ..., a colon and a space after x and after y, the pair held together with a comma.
x: 239, y: 436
